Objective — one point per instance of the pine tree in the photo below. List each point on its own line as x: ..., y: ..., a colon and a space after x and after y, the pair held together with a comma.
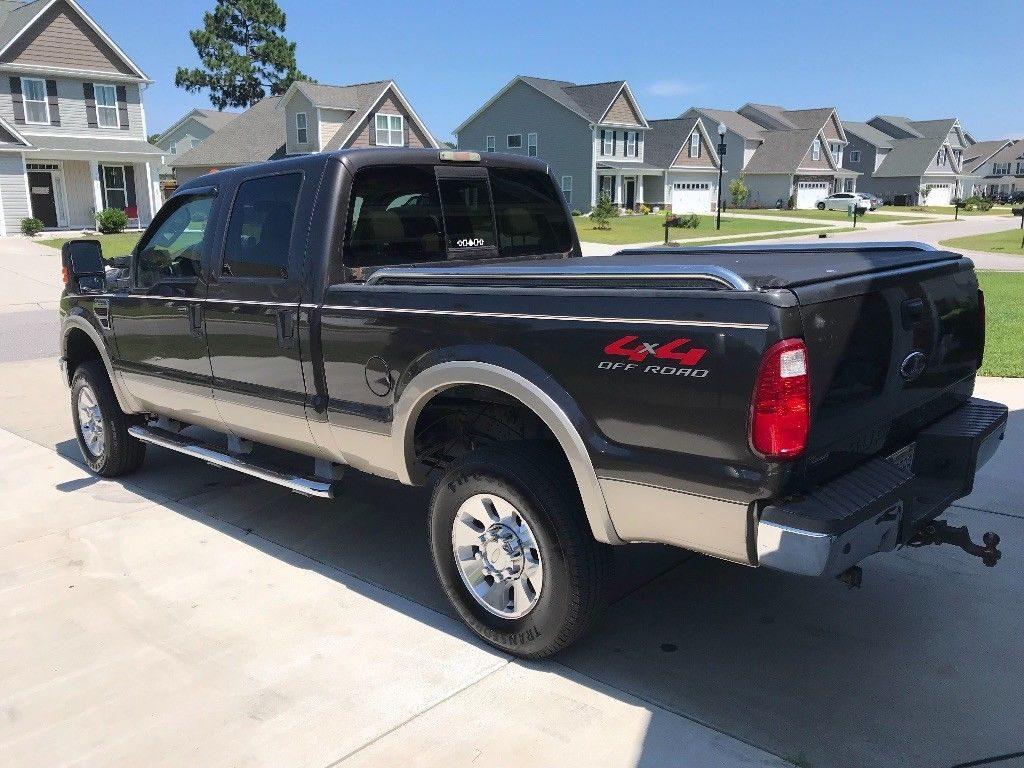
x: 243, y: 53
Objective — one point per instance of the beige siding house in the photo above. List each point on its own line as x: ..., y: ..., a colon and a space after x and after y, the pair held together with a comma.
x: 309, y: 117
x: 72, y: 123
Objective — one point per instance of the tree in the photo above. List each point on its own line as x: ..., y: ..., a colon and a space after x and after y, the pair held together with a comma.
x: 243, y: 53
x: 738, y: 191
x: 602, y: 212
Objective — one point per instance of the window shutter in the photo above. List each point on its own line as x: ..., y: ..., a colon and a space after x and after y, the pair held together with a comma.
x: 129, y: 185
x: 122, y: 106
x: 405, y: 125
x: 19, y: 101
x: 372, y: 125
x: 90, y: 105
x: 51, y: 97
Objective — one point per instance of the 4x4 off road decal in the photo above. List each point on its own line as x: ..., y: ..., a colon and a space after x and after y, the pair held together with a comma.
x: 679, y: 358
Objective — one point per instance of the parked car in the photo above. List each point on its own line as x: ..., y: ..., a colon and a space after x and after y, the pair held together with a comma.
x: 874, y: 201
x: 426, y: 317
x: 841, y: 201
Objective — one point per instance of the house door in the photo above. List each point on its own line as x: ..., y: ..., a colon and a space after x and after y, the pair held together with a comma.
x: 43, y: 197
x: 629, y: 193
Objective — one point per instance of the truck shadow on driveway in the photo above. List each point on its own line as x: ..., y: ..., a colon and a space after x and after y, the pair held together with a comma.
x: 920, y: 667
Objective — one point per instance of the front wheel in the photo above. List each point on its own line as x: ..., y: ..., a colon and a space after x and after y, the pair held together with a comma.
x: 100, y: 425
x: 514, y: 552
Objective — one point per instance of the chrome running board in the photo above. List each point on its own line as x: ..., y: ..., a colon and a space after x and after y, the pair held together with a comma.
x: 180, y: 444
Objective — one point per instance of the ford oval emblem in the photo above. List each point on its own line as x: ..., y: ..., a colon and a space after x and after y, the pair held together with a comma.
x: 913, y: 365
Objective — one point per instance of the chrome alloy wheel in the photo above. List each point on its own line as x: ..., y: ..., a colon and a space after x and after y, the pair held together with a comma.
x: 90, y: 421
x: 498, y: 556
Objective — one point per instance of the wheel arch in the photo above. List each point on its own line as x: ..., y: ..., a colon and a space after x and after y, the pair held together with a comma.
x: 80, y: 341
x: 552, y: 405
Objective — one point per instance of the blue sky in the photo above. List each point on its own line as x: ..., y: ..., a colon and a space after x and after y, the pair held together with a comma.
x: 923, y: 58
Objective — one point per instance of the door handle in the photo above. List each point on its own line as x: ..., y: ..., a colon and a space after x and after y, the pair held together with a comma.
x: 286, y: 328
x: 195, y: 319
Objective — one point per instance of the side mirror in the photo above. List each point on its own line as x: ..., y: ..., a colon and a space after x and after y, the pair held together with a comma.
x: 82, y: 265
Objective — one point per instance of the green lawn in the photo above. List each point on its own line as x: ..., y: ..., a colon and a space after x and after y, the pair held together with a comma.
x: 649, y: 229
x: 1007, y: 241
x: 113, y: 245
x: 1004, y: 321
x: 945, y: 210
x: 814, y: 213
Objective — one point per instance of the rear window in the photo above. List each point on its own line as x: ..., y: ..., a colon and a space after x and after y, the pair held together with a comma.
x: 405, y: 215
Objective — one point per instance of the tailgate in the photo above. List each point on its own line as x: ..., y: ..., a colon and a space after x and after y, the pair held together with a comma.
x: 888, y: 355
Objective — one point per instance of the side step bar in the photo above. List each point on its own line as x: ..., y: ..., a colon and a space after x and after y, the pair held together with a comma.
x: 173, y: 442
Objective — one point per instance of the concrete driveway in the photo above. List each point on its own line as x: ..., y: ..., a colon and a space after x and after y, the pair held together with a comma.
x: 191, y: 615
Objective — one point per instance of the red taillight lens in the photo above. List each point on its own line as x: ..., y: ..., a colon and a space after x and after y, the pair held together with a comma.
x: 780, y: 412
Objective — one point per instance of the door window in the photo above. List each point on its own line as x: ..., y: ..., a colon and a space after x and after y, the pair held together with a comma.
x: 174, y: 248
x: 259, y: 234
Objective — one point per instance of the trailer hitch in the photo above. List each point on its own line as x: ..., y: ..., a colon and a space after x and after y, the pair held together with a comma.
x: 940, y: 532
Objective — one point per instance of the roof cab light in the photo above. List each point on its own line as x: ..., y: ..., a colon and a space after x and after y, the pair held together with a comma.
x: 455, y: 156
x: 780, y: 409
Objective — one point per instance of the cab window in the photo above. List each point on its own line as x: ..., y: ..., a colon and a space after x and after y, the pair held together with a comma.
x: 174, y: 250
x: 259, y: 234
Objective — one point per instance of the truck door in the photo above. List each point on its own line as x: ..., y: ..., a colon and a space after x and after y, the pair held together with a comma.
x: 251, y: 312
x: 160, y: 351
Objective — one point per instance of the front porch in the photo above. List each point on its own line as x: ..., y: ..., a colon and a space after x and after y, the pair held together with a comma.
x: 679, y: 190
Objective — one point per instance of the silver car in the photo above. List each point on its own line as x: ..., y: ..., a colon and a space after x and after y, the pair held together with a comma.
x: 841, y: 201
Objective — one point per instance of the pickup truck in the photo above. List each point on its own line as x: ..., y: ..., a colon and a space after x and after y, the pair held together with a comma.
x: 426, y: 316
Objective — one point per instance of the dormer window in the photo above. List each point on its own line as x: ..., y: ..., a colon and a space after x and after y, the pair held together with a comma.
x: 37, y: 110
x: 694, y: 144
x: 106, y: 106
x: 816, y: 150
x: 390, y: 130
x: 940, y: 159
x: 301, y: 128
x: 837, y: 153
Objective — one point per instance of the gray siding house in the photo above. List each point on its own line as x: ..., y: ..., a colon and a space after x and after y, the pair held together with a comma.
x: 1001, y: 172
x: 918, y: 160
x: 782, y: 153
x: 72, y: 123
x: 309, y: 117
x: 593, y: 136
x: 185, y: 133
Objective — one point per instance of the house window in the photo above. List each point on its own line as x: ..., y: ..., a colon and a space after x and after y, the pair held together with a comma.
x: 567, y: 189
x: 837, y: 154
x: 1020, y: 169
x: 390, y: 130
x: 301, y: 128
x: 37, y: 110
x: 816, y: 150
x: 106, y: 106
x: 608, y: 143
x: 490, y: 143
x: 115, y: 192
x: 194, y: 142
x: 174, y: 149
x: 940, y: 159
x: 631, y: 144
x: 848, y: 185
x: 514, y: 141
x: 1000, y: 169
x: 531, y: 144
x: 694, y: 144
x: 854, y: 155
x: 608, y: 188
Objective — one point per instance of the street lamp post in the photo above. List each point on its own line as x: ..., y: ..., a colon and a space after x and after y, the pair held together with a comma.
x: 721, y: 167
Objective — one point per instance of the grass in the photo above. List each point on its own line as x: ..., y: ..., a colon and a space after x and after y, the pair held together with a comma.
x: 113, y: 245
x: 1007, y: 241
x: 649, y: 229
x: 945, y: 210
x: 1004, y: 320
x: 814, y: 213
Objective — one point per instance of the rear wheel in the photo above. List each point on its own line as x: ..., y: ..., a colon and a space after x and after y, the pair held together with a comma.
x: 100, y: 425
x: 821, y: 206
x: 513, y: 549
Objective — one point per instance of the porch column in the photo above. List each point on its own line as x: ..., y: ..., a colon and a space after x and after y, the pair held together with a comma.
x: 152, y: 199
x: 639, y: 188
x: 97, y: 191
x: 618, y: 190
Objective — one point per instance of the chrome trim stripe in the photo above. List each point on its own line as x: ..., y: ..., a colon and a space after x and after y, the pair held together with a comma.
x: 563, y: 318
x: 457, y: 313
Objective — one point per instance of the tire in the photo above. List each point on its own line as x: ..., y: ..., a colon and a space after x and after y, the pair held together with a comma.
x: 100, y: 425
x: 538, y: 487
x: 821, y: 206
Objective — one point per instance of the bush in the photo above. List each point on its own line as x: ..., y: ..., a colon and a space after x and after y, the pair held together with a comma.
x: 738, y: 192
x: 31, y: 227
x: 603, y: 211
x: 644, y: 210
x: 111, y: 221
x: 682, y: 221
x: 791, y: 203
x: 577, y: 212
x: 977, y: 203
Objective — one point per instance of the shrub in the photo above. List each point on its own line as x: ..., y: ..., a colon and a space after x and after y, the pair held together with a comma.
x: 738, y: 192
x: 791, y: 203
x: 577, y: 212
x: 644, y: 210
x: 603, y: 212
x: 682, y: 221
x: 31, y: 227
x: 111, y: 221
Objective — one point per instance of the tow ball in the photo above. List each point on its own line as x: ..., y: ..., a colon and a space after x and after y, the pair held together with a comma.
x: 940, y: 532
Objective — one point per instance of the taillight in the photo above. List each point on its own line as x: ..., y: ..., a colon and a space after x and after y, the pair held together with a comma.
x: 65, y: 275
x: 780, y: 410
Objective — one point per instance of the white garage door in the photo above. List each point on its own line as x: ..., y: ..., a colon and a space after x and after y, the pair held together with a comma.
x: 808, y: 193
x: 939, y: 194
x: 691, y: 197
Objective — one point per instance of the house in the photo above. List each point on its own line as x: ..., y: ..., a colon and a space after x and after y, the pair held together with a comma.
x: 996, y: 169
x: 309, y: 117
x: 976, y: 156
x: 72, y: 123
x: 911, y: 161
x: 590, y: 134
x: 186, y: 133
x: 782, y: 153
